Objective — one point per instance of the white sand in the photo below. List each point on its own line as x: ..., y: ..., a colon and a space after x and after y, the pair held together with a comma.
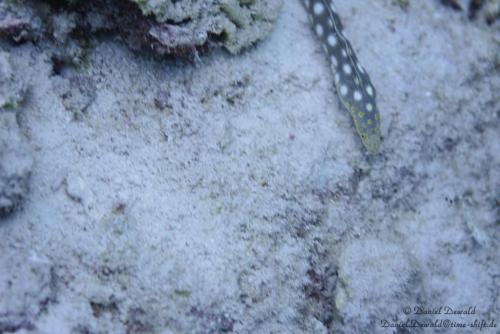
x: 247, y: 203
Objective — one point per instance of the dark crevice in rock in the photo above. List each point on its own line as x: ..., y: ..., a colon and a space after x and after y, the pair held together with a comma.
x: 475, y: 7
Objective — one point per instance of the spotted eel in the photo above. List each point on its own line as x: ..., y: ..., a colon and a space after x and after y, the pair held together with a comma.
x: 353, y: 85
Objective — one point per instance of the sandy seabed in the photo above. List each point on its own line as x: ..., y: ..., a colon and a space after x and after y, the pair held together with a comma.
x: 233, y: 194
